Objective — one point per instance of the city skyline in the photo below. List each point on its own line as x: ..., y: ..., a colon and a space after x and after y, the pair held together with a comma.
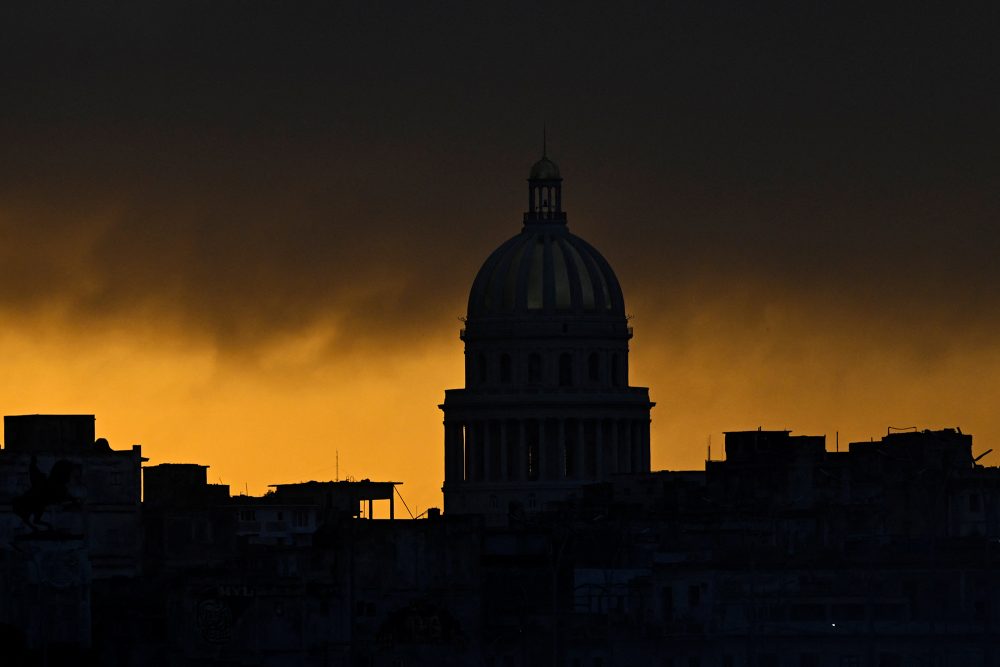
x: 229, y: 240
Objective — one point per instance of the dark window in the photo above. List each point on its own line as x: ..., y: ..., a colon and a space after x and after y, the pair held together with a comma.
x: 889, y: 611
x: 694, y: 596
x: 890, y: 660
x: 565, y: 369
x: 505, y: 368
x: 569, y: 442
x: 534, y: 464
x: 482, y: 367
x: 974, y: 505
x: 809, y: 660
x: 594, y: 367
x: 513, y: 449
x: 807, y: 612
x: 667, y: 603
x: 466, y: 460
x: 847, y: 612
x: 534, y: 368
x: 615, y: 371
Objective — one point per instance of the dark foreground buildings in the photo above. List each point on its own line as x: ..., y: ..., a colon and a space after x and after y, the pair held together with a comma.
x: 558, y: 545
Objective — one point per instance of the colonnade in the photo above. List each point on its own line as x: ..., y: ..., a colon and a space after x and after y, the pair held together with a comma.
x: 551, y: 449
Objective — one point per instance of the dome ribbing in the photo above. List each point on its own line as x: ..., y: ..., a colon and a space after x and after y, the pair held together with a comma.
x: 546, y: 270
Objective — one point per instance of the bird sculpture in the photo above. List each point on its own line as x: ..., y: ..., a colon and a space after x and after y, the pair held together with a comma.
x: 45, y: 490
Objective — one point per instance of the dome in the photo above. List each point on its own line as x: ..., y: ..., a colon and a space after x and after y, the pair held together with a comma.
x: 546, y: 270
x: 544, y: 170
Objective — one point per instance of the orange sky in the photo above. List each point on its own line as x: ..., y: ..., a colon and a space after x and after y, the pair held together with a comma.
x: 282, y: 417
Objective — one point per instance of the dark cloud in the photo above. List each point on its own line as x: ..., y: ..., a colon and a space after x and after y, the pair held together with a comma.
x: 244, y: 170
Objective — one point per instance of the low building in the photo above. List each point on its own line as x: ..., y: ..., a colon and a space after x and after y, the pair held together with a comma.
x: 70, y: 520
x: 100, y: 487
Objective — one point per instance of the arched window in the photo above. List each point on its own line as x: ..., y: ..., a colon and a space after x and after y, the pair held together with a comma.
x: 594, y: 367
x: 505, y: 368
x: 615, y: 371
x: 534, y: 368
x: 482, y: 368
x: 565, y: 369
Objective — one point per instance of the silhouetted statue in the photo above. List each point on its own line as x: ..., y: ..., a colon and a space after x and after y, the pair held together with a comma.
x: 45, y: 490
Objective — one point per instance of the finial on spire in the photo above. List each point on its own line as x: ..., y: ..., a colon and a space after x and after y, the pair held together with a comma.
x: 544, y: 141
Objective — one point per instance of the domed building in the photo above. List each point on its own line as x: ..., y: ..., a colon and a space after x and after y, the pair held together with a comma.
x: 546, y: 407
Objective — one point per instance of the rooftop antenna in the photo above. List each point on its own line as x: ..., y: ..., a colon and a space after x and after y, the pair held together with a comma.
x: 544, y: 141
x: 338, y: 466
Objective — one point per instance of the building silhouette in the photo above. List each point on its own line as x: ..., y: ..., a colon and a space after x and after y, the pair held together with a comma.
x: 70, y: 519
x: 558, y: 547
x: 102, y: 483
x: 547, y: 406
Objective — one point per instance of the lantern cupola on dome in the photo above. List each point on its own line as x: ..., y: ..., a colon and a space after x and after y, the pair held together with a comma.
x: 544, y: 191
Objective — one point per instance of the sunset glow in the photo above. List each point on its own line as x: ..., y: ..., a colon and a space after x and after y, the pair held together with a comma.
x: 237, y: 247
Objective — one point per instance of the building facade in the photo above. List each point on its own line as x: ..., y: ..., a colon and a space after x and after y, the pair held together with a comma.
x: 547, y: 405
x: 87, y: 490
x: 70, y: 525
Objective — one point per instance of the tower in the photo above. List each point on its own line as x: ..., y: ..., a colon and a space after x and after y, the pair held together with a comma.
x: 546, y: 406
